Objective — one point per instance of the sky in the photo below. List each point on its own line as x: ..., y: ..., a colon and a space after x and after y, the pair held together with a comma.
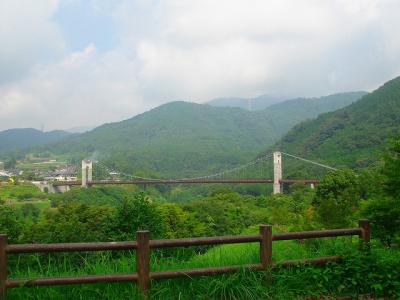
x: 69, y: 63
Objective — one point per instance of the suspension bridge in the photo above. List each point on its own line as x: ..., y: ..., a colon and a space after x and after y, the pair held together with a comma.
x: 254, y: 172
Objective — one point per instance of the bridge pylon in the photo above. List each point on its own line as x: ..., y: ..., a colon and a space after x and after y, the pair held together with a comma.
x: 87, y: 172
x: 277, y: 172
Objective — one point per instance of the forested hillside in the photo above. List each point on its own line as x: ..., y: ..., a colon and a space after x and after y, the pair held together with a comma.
x: 183, y: 139
x: 19, y: 138
x: 317, y: 104
x: 353, y: 135
x: 257, y: 103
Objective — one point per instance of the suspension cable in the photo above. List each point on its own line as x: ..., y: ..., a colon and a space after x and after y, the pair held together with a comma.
x: 310, y: 161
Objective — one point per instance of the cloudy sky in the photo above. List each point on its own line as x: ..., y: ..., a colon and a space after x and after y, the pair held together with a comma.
x: 85, y: 62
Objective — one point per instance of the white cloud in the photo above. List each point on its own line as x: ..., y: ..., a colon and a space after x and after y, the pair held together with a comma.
x: 85, y: 88
x: 27, y: 36
x: 193, y: 50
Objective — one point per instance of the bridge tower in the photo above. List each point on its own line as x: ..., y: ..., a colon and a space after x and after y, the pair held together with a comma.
x: 87, y: 167
x: 277, y: 172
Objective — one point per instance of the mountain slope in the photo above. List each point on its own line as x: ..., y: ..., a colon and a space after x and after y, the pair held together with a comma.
x: 352, y: 135
x: 177, y: 139
x: 300, y: 109
x: 185, y: 139
x: 20, y: 138
x: 318, y: 105
x: 257, y: 103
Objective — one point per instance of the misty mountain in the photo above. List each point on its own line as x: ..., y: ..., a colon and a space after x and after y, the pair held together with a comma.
x: 257, y: 103
x: 20, y: 138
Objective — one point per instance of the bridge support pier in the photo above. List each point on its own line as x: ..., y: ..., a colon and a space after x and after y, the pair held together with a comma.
x: 277, y: 172
x: 87, y: 167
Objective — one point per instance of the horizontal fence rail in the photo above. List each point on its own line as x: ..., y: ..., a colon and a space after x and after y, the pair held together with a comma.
x: 143, y: 246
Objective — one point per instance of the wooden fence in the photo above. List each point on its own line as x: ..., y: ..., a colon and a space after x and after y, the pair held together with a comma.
x: 143, y: 246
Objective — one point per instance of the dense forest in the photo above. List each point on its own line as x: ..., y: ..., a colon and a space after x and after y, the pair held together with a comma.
x: 184, y: 139
x: 352, y: 136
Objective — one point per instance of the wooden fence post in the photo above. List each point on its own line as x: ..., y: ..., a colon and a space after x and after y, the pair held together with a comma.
x: 3, y: 266
x: 143, y: 261
x: 365, y: 235
x: 266, y: 245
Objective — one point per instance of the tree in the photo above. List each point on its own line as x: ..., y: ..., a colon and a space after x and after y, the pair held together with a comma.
x: 337, y: 198
x: 384, y: 214
x: 175, y: 220
x: 137, y: 213
x: 391, y: 169
x: 384, y: 210
x: 10, y: 223
x: 75, y: 222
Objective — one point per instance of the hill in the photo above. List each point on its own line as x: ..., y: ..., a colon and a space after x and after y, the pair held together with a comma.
x: 257, y: 103
x: 185, y: 139
x: 317, y: 105
x: 350, y: 136
x: 20, y: 138
x: 300, y: 109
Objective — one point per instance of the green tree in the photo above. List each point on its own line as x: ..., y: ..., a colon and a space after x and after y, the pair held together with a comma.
x: 391, y: 169
x: 383, y: 210
x: 137, y: 213
x: 10, y: 223
x: 174, y: 219
x: 337, y: 199
x: 75, y: 222
x: 384, y: 214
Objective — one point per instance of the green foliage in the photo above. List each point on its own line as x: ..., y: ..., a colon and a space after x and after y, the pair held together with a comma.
x: 225, y: 212
x: 177, y: 222
x: 75, y: 222
x: 10, y: 223
x: 337, y: 199
x: 383, y: 207
x: 137, y: 213
x: 351, y: 136
x: 391, y: 168
x: 384, y: 214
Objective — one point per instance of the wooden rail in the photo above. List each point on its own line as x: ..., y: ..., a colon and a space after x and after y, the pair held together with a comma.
x: 143, y: 246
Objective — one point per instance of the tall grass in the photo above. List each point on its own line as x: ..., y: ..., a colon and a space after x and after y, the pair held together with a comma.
x: 239, y: 285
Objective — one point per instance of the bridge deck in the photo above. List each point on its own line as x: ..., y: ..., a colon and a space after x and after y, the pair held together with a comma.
x: 183, y: 181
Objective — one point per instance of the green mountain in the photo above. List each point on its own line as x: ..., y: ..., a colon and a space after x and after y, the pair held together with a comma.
x: 351, y: 136
x: 185, y: 139
x: 257, y: 103
x: 317, y: 105
x: 291, y: 112
x: 20, y: 138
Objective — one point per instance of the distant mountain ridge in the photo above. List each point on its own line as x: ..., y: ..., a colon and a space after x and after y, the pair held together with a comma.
x: 20, y: 138
x: 351, y: 136
x: 331, y: 102
x: 257, y: 103
x: 185, y: 139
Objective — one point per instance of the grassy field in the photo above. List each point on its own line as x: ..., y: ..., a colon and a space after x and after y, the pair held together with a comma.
x: 293, y: 283
x: 20, y: 192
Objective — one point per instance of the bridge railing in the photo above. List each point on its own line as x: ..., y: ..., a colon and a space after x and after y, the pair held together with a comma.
x: 143, y: 246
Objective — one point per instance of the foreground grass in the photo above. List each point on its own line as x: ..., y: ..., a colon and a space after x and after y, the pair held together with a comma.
x: 356, y: 274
